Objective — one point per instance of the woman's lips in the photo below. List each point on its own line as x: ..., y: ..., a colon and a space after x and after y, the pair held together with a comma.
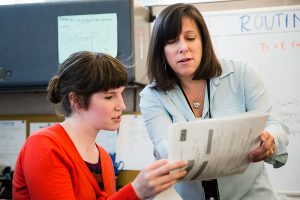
x: 184, y: 60
x: 117, y: 119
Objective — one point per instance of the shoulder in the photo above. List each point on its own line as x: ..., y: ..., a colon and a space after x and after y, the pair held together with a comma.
x: 232, y: 66
x: 150, y: 95
x: 150, y: 91
x: 44, y: 144
x: 238, y: 69
x: 47, y: 137
x: 50, y: 132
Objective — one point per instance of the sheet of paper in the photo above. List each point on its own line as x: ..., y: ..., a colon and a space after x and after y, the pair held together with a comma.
x: 134, y: 146
x: 92, y: 32
x: 215, y: 147
x: 168, y: 194
x: 12, y: 137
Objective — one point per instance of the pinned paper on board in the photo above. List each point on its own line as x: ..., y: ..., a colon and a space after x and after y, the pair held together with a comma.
x: 92, y: 32
x: 12, y: 138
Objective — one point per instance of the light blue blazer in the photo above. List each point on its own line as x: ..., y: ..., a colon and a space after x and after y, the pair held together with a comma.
x: 239, y: 89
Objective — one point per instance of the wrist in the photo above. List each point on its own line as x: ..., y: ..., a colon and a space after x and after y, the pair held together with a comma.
x: 136, y: 189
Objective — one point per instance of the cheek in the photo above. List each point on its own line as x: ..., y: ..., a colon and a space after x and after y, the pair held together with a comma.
x: 99, y: 110
x: 168, y: 54
x: 198, y: 48
x: 103, y: 111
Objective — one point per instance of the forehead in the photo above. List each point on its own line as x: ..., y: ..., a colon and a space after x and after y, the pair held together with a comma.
x: 175, y: 27
x: 189, y: 25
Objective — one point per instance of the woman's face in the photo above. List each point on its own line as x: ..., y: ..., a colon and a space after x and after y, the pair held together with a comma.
x: 105, y: 110
x: 184, y: 54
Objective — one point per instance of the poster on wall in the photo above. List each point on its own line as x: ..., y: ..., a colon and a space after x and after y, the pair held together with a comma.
x: 12, y: 138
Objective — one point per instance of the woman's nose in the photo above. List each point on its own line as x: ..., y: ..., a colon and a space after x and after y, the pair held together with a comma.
x: 121, y: 105
x: 182, y: 46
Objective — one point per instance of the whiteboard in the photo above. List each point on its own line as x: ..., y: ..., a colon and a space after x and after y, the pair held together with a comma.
x: 268, y: 39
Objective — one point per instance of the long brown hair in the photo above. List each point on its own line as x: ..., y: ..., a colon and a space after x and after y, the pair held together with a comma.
x: 168, y: 26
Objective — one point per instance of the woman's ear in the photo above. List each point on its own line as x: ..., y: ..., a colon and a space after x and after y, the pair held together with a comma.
x: 74, y: 103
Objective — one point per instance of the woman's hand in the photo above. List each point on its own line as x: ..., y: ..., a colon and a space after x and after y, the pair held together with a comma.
x: 265, y: 150
x: 157, y: 177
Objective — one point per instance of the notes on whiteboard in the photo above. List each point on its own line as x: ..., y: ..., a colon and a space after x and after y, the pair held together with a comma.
x: 134, y: 146
x: 12, y: 137
x: 92, y: 32
x: 268, y: 39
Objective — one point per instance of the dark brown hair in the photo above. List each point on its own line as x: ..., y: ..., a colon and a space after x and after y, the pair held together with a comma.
x: 167, y: 27
x: 85, y: 73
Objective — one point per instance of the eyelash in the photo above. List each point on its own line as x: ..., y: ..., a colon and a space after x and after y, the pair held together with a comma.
x: 108, y: 98
x: 189, y: 39
x: 171, y: 41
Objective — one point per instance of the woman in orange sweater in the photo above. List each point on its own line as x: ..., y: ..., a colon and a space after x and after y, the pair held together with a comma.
x: 63, y: 161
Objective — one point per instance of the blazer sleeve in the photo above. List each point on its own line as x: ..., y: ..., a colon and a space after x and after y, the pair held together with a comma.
x: 257, y: 99
x: 157, y: 120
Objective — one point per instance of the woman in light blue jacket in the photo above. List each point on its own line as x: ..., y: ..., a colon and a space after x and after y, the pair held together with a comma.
x: 187, y: 82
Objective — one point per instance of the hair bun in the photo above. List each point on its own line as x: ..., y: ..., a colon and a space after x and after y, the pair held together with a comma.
x: 53, y: 91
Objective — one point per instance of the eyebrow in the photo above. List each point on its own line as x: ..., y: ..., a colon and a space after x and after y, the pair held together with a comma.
x: 113, y: 92
x: 109, y: 92
x: 190, y: 31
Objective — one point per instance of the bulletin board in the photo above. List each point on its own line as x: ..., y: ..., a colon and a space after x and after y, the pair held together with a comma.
x: 14, y: 129
x: 33, y: 118
x: 123, y: 178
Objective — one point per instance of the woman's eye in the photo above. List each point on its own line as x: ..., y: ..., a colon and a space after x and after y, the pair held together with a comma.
x: 108, y: 97
x: 191, y: 38
x: 171, y: 41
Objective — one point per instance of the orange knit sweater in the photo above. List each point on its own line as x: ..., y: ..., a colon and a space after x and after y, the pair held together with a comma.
x: 49, y: 167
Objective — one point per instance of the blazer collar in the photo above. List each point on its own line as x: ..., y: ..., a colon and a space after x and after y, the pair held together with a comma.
x: 177, y: 97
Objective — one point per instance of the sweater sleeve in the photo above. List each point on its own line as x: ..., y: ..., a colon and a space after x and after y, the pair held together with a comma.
x: 125, y: 193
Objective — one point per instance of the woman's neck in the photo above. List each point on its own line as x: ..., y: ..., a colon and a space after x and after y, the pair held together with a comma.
x: 195, y: 94
x: 193, y: 86
x: 83, y: 137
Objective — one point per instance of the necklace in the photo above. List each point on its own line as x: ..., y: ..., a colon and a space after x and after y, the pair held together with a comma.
x: 196, y: 103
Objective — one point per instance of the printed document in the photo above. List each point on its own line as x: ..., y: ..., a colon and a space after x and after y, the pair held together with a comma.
x: 215, y: 147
